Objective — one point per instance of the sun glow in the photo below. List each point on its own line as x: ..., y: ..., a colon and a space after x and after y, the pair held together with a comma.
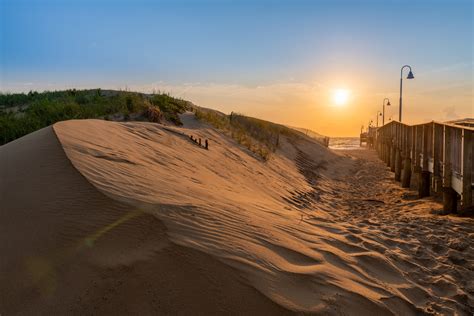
x: 340, y: 96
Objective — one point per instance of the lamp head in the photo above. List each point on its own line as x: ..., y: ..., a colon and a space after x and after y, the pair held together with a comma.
x: 410, y: 75
x: 388, y: 103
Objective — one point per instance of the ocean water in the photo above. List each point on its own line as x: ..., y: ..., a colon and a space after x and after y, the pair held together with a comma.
x: 344, y: 143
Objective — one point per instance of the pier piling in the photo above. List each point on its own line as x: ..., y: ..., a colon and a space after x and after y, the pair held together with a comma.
x: 392, y: 158
x: 424, y: 184
x: 398, y: 165
x: 450, y: 200
x: 406, y: 173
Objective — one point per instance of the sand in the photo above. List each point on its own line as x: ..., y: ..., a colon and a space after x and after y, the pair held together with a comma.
x: 133, y: 218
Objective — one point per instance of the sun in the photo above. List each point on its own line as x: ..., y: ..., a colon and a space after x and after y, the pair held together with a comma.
x: 340, y: 96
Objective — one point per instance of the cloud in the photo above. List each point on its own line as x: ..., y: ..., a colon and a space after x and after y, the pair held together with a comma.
x: 229, y: 97
x: 450, y: 113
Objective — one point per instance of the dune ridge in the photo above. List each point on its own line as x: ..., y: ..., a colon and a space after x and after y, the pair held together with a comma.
x: 308, y: 231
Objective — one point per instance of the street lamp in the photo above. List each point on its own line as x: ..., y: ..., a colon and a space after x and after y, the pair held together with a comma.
x: 383, y: 110
x: 410, y: 76
x: 378, y: 114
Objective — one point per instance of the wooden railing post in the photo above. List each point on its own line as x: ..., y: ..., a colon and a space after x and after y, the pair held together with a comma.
x: 406, y: 173
x: 389, y: 145
x: 416, y: 154
x: 449, y: 195
x: 398, y: 157
x: 424, y: 174
x: 393, y: 148
x: 436, y: 179
x: 467, y: 168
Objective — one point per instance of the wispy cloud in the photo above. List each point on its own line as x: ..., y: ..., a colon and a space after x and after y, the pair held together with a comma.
x: 450, y: 113
x: 240, y: 96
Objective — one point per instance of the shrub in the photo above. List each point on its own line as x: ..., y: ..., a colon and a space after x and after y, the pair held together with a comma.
x: 171, y: 107
x: 153, y: 114
x: 81, y: 99
x: 129, y: 103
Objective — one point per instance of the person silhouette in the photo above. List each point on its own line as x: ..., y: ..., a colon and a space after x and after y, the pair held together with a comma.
x: 206, y: 144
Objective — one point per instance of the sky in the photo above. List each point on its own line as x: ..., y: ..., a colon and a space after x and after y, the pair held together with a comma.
x: 277, y: 60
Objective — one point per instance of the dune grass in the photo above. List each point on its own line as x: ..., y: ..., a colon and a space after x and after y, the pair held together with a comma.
x: 259, y: 136
x: 21, y: 114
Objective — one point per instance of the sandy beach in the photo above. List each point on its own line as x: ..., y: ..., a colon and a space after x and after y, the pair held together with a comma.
x: 134, y: 218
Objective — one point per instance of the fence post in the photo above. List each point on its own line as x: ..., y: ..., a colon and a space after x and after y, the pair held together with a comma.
x: 417, y: 156
x: 406, y: 173
x: 424, y: 175
x: 389, y: 151
x: 437, y: 158
x: 398, y: 165
x: 398, y: 158
x: 392, y: 155
x: 466, y: 168
x: 449, y: 195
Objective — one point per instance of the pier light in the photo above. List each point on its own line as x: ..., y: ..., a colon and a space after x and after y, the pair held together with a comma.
x: 383, y: 109
x: 410, y: 76
x: 378, y: 114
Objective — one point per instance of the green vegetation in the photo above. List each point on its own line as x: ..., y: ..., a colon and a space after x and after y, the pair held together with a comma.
x: 21, y: 114
x: 259, y: 136
x: 170, y: 107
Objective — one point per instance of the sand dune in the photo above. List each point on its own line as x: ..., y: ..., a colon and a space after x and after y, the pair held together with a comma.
x: 106, y: 217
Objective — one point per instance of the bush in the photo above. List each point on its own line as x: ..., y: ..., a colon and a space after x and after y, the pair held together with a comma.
x: 153, y: 114
x: 170, y: 107
x: 129, y: 103
x: 81, y: 99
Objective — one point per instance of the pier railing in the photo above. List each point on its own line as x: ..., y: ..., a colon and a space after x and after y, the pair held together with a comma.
x: 439, y: 155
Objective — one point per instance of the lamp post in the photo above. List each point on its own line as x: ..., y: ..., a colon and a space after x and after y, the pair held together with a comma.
x: 378, y: 114
x: 383, y: 110
x: 410, y: 76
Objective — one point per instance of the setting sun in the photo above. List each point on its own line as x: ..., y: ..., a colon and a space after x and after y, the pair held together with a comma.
x: 340, y: 96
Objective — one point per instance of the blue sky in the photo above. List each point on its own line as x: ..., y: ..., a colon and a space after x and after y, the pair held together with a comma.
x: 191, y: 46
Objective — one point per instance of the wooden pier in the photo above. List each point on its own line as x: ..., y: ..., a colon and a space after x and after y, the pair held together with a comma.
x: 368, y: 137
x: 436, y: 158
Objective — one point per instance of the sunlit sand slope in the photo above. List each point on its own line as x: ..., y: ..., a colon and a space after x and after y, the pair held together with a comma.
x: 66, y: 248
